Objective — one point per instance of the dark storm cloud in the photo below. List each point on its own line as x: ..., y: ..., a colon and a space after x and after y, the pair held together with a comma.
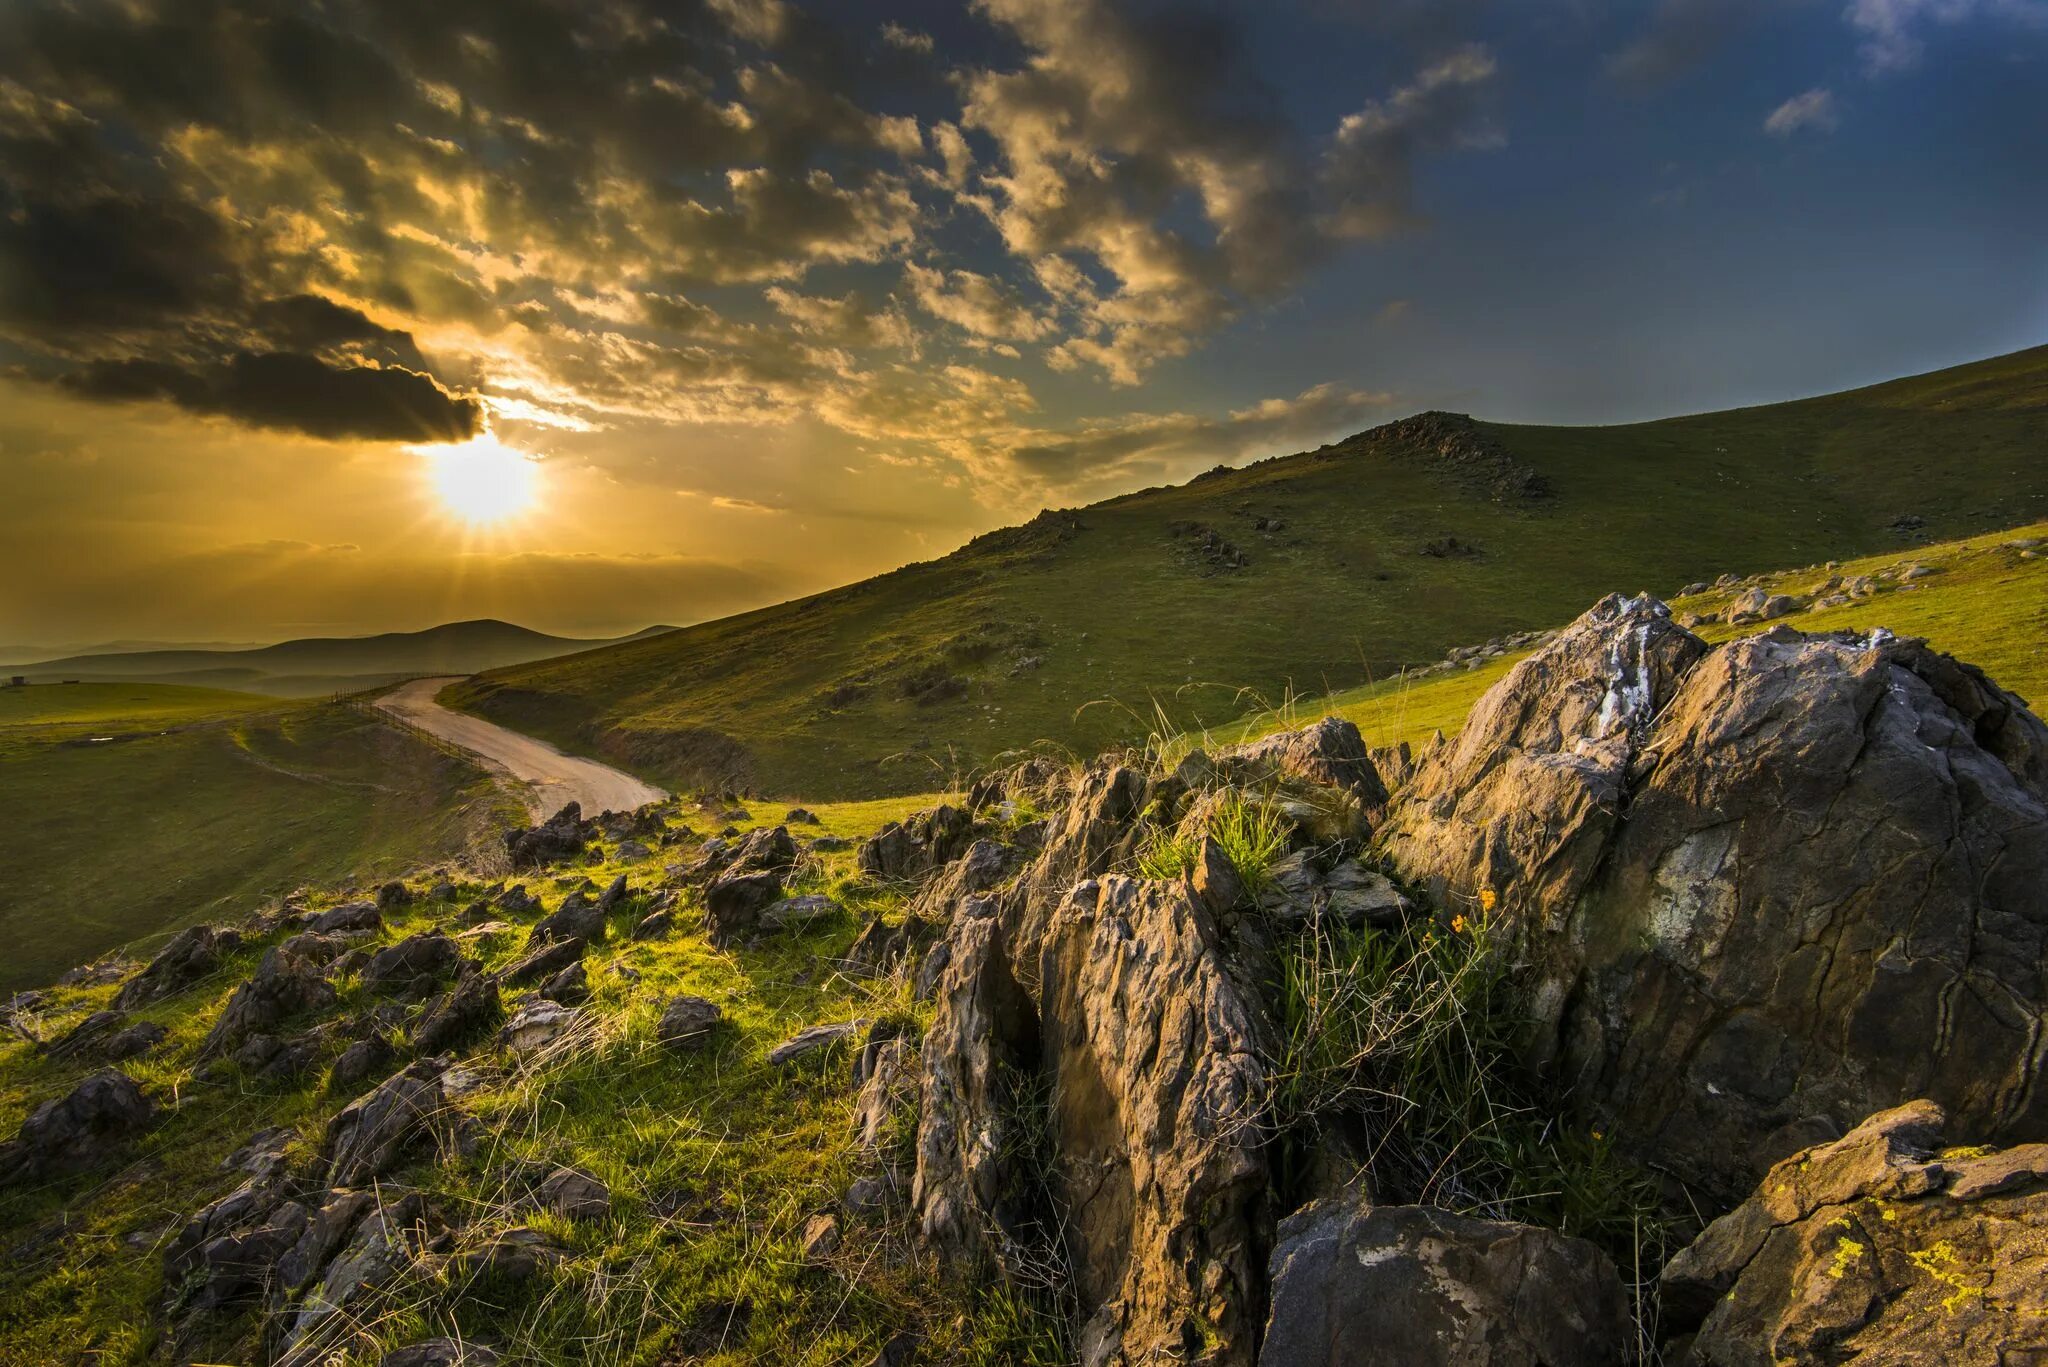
x: 295, y: 392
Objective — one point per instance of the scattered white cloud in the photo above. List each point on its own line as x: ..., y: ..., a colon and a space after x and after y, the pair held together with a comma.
x: 1811, y: 111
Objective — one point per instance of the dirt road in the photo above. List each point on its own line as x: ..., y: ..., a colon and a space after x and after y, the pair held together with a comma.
x: 553, y: 779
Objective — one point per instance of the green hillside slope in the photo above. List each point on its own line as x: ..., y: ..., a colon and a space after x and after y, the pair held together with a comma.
x: 1309, y: 573
x: 325, y: 664
x: 194, y: 803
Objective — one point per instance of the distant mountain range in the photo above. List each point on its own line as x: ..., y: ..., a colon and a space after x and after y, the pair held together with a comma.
x: 329, y: 664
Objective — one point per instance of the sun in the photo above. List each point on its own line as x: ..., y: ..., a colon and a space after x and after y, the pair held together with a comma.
x: 482, y: 480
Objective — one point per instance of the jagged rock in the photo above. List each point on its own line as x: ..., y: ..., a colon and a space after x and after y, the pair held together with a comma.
x: 1354, y: 895
x: 1522, y: 801
x: 135, y: 1040
x: 537, y: 1025
x: 77, y: 1130
x: 459, y: 1015
x: 1878, y: 1247
x: 1357, y: 1285
x: 517, y: 901
x: 88, y: 1037
x: 814, y: 1039
x: 191, y: 954
x: 798, y: 913
x: 886, y: 1081
x: 578, y: 918
x: 230, y: 1251
x: 98, y: 973
x: 262, y: 1154
x: 347, y: 918
x: 562, y: 836
x: 655, y: 925
x: 1329, y: 753
x: 570, y: 987
x: 509, y: 1257
x: 687, y: 1024
x: 373, y: 1134
x: 616, y: 892
x: 414, y: 966
x: 394, y: 896
x: 287, y: 983
x: 820, y: 1237
x: 1758, y: 605
x: 979, y: 1055
x: 983, y: 867
x: 1094, y: 830
x: 574, y: 1195
x: 440, y: 1353
x: 366, y: 1058
x: 907, y: 849
x: 383, y: 1244
x: 1830, y: 895
x: 1157, y: 1042
x: 881, y: 946
x: 270, y: 1059
x: 733, y: 904
x: 544, y: 963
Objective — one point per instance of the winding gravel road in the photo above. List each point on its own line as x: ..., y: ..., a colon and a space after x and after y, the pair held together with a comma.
x: 553, y: 779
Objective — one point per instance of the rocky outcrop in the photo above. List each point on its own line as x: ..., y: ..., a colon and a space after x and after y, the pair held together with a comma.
x: 288, y: 982
x: 1879, y: 1247
x: 908, y: 849
x: 372, y: 1240
x: 414, y: 966
x: 971, y: 1200
x: 734, y: 903
x: 1095, y: 828
x: 191, y: 955
x: 377, y: 1132
x: 460, y: 1015
x: 1159, y: 1054
x: 1358, y: 1285
x: 562, y: 836
x: 79, y: 1130
x: 687, y: 1023
x: 1829, y: 895
x: 348, y: 918
x: 1329, y: 753
x: 578, y: 919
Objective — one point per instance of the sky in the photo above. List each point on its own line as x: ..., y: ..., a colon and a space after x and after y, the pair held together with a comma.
x: 343, y: 316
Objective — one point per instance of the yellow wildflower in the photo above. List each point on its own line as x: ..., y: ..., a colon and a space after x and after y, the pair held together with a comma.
x: 1457, y: 925
x: 1487, y: 899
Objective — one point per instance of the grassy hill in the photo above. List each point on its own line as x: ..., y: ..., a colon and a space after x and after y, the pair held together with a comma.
x: 128, y: 810
x: 1307, y: 574
x: 323, y: 665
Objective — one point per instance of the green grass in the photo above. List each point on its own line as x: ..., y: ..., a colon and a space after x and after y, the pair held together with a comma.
x: 42, y: 714
x: 177, y: 821
x: 715, y: 1162
x: 832, y: 696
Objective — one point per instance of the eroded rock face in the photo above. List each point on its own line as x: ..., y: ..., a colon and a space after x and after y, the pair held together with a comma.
x: 1329, y: 752
x: 1830, y: 893
x: 1356, y: 1285
x: 981, y: 1050
x: 1523, y: 801
x: 191, y: 954
x: 1095, y: 829
x: 77, y: 1130
x: 908, y: 849
x: 1159, y: 1054
x: 1879, y: 1247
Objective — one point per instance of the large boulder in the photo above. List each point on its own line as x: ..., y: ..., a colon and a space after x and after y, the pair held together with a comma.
x: 191, y: 955
x: 1829, y: 895
x: 1882, y: 1247
x: 77, y: 1130
x: 1521, y: 804
x: 1159, y: 1049
x: 1358, y: 1285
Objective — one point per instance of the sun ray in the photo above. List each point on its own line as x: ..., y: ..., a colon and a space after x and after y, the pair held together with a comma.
x: 482, y: 482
